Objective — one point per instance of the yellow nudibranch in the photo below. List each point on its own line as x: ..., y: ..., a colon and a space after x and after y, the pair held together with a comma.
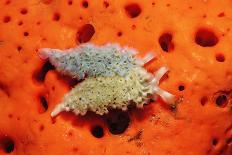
x: 113, y: 78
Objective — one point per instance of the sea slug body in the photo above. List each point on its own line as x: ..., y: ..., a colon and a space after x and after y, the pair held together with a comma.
x: 113, y: 78
x: 92, y: 60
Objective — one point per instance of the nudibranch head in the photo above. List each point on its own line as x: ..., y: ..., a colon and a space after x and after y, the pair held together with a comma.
x: 113, y: 78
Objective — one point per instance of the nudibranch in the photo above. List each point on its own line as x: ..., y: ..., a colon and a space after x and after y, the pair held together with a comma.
x: 112, y: 78
x: 91, y: 60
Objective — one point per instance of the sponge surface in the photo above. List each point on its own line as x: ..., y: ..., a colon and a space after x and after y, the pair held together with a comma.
x: 193, y: 38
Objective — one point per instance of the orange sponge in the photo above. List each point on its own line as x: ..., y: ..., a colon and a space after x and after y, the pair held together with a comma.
x: 193, y: 38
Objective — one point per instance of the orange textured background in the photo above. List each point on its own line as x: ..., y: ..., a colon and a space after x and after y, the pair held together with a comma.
x: 200, y: 124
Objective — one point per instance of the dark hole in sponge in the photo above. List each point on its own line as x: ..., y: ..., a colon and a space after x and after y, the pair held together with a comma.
x: 106, y: 4
x: 204, y: 100
x: 6, y: 19
x: 56, y: 16
x: 119, y: 34
x: 41, y: 73
x: 23, y: 11
x: 220, y: 57
x: 215, y: 141
x: 229, y: 140
x: 19, y: 48
x: 25, y: 34
x: 133, y: 10
x: 222, y: 14
x: 181, y: 88
x: 117, y: 122
x: 20, y: 23
x: 165, y: 41
x: 206, y: 38
x: 85, y: 33
x: 85, y: 4
x: 41, y: 127
x: 97, y: 131
x: 8, y: 2
x: 221, y: 100
x: 6, y: 144
x: 44, y: 103
x: 5, y: 88
x: 70, y: 2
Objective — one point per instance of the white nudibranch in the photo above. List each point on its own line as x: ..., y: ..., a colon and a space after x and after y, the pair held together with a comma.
x: 92, y: 60
x: 113, y: 78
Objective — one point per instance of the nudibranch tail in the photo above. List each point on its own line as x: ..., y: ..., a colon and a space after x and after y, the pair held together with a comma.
x: 146, y: 59
x: 160, y: 73
x: 166, y: 96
